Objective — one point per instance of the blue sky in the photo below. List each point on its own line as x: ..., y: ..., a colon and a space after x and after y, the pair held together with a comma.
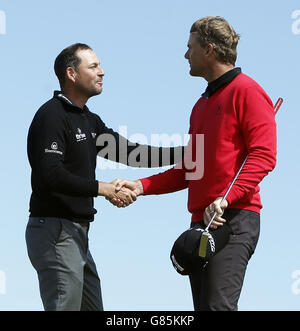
x: 147, y: 87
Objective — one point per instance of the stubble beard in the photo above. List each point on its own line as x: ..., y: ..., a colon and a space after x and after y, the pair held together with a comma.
x: 89, y: 92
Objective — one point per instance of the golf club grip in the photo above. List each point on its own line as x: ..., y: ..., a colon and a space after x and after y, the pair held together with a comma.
x: 278, y: 105
x: 276, y: 108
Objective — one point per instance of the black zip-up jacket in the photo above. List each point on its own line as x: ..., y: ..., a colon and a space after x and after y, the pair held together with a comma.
x: 63, y: 143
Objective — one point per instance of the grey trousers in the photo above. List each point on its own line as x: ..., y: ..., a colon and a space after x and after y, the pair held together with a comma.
x: 58, y: 250
x: 218, y: 286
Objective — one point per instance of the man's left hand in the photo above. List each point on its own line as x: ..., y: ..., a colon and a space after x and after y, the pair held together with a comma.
x: 219, y: 209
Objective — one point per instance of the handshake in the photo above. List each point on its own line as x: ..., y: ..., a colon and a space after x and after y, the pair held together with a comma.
x: 121, y: 192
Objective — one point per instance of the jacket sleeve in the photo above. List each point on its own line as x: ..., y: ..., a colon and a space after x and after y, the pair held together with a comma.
x: 51, y: 136
x: 174, y: 179
x: 257, y: 123
x: 170, y: 181
x: 114, y: 147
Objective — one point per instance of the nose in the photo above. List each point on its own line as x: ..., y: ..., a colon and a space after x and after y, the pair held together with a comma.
x: 101, y: 72
x: 186, y: 55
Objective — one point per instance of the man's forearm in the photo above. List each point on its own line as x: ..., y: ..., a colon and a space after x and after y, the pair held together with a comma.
x: 117, y: 148
x: 104, y: 189
x: 60, y: 180
x: 170, y: 181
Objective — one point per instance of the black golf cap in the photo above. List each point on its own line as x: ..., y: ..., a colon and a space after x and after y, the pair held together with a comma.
x: 194, y: 247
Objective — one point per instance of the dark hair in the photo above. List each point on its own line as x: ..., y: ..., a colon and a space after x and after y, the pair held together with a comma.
x: 217, y: 31
x: 68, y: 58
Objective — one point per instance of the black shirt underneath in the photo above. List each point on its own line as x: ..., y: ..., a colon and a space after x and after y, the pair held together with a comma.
x: 215, y: 85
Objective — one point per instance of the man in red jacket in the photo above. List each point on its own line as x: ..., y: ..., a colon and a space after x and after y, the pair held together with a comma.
x: 236, y: 118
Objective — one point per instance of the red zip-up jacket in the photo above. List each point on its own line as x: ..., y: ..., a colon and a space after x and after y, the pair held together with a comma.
x: 236, y: 121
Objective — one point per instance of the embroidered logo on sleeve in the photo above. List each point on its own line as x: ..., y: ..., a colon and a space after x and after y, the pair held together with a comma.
x: 54, y: 149
x: 54, y: 146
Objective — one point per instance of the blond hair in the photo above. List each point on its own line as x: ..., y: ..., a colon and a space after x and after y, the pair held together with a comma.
x: 218, y: 32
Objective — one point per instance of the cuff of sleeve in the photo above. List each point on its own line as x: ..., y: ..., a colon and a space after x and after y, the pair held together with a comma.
x: 146, y: 183
x: 232, y: 196
x: 94, y: 188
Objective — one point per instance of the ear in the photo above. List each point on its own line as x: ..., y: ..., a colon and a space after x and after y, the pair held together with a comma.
x: 71, y: 74
x: 209, y: 49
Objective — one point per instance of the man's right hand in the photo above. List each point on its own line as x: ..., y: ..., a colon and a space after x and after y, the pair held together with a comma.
x: 135, y: 186
x: 122, y: 197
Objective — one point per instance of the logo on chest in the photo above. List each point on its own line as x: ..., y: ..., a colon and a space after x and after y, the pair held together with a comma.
x: 219, y: 110
x: 80, y: 136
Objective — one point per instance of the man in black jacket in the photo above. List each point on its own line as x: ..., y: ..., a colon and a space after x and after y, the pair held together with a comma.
x: 64, y: 140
